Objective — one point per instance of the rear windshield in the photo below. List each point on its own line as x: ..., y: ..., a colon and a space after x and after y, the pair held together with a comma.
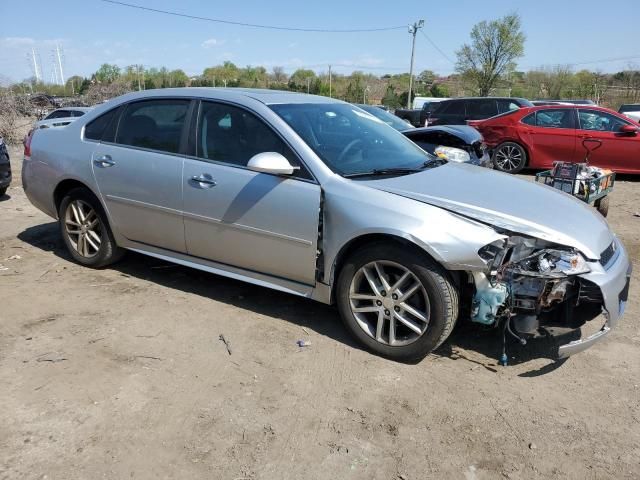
x: 629, y: 108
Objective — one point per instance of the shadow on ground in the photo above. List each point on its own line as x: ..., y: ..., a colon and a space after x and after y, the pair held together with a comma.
x: 321, y: 318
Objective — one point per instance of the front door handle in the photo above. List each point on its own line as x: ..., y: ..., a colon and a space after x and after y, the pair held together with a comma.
x: 204, y: 180
x: 104, y: 161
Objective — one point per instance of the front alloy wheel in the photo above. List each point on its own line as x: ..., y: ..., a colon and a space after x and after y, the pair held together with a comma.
x: 396, y: 301
x: 510, y: 158
x: 389, y: 303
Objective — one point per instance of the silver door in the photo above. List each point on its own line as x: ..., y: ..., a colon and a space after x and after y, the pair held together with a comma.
x: 256, y: 221
x: 140, y: 184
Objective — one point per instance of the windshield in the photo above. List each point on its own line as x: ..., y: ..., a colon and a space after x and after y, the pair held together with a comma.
x: 349, y: 140
x: 387, y: 118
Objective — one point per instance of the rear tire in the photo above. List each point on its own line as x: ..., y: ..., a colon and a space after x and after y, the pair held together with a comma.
x: 85, y: 230
x: 3, y: 190
x: 602, y: 206
x: 390, y: 320
x: 509, y: 157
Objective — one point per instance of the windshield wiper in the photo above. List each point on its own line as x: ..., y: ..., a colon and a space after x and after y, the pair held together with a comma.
x: 376, y: 172
x: 434, y: 162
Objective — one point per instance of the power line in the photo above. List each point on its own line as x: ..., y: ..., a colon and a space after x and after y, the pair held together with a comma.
x: 436, y: 47
x: 253, y: 25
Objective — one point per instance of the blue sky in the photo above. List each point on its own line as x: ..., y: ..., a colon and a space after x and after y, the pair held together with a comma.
x: 91, y: 32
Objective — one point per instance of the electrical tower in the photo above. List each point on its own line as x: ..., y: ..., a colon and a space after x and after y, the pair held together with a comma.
x: 60, y: 63
x: 37, y: 72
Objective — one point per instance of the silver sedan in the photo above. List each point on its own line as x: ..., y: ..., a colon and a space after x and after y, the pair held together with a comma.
x: 318, y: 198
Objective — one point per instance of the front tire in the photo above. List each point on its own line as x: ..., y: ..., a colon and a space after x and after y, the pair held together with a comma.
x: 3, y: 190
x: 509, y: 157
x: 85, y: 230
x: 397, y: 302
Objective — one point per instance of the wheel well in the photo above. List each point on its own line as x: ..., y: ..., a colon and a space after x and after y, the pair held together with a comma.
x: 347, y: 250
x: 65, y: 187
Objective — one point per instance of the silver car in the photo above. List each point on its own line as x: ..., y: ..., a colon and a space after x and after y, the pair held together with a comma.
x: 316, y: 197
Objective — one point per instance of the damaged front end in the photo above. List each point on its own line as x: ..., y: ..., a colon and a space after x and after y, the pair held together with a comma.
x: 533, y: 288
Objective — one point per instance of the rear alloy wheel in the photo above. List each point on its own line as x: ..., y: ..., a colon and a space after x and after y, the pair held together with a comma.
x: 398, y: 303
x: 509, y: 157
x: 85, y: 230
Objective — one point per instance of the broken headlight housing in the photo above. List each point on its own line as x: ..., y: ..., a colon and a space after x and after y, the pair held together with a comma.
x: 551, y: 263
x: 532, y: 257
x: 452, y: 154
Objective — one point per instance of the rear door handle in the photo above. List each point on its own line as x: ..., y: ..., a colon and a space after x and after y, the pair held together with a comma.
x: 204, y: 180
x: 104, y: 161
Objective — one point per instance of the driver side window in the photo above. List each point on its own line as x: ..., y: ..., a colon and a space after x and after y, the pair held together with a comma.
x: 232, y: 135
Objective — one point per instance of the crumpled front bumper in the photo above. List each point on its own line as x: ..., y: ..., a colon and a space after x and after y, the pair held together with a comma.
x: 613, y: 280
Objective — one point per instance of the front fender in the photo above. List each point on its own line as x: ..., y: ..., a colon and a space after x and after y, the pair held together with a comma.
x: 351, y: 213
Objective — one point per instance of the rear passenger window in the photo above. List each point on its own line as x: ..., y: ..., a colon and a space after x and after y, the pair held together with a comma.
x: 481, y: 108
x: 57, y: 114
x: 96, y: 128
x: 507, y: 106
x: 153, y: 124
x: 232, y: 135
x: 555, y: 118
x: 530, y: 119
x: 452, y: 108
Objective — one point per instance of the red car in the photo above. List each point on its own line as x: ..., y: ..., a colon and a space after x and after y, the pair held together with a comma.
x: 535, y: 137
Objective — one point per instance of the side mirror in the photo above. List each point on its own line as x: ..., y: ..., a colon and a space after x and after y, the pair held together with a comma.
x: 271, y: 162
x: 630, y: 129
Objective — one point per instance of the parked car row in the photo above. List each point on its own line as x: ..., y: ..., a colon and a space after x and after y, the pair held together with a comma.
x: 418, y: 116
x: 522, y: 134
x: 460, y: 144
x: 535, y: 137
x: 318, y: 198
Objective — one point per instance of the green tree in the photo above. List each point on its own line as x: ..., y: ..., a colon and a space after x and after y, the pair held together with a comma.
x: 439, y: 90
x: 425, y: 80
x: 355, y: 88
x: 74, y: 84
x: 107, y: 73
x: 495, y: 45
x: 300, y: 79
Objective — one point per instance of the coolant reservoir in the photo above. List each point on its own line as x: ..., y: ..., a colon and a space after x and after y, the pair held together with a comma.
x: 487, y: 300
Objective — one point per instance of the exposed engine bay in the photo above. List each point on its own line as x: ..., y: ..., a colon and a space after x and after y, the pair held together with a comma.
x: 531, y: 284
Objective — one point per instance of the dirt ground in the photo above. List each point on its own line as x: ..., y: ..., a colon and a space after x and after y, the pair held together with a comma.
x: 120, y: 373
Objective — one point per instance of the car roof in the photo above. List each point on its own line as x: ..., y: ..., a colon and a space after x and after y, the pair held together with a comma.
x: 77, y: 109
x: 487, y: 98
x: 266, y: 96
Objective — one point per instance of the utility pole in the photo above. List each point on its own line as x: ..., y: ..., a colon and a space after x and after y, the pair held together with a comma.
x: 60, y: 63
x: 413, y: 30
x: 330, y: 81
x: 308, y: 81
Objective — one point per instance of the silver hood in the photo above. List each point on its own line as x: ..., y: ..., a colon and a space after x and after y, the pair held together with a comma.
x: 506, y: 202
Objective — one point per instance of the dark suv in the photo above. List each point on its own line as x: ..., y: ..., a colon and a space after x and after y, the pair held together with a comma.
x: 458, y: 110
